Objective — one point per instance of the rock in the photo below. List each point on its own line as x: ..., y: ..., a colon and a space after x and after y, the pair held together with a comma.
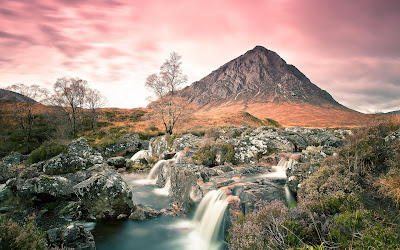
x: 80, y: 156
x: 47, y: 187
x: 128, y: 144
x: 118, y: 161
x: 9, y: 166
x: 186, y: 142
x: 158, y: 146
x: 73, y: 236
x: 105, y: 195
x: 142, y: 212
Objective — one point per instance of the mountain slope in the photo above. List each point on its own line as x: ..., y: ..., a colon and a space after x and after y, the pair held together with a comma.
x: 8, y: 95
x: 262, y: 83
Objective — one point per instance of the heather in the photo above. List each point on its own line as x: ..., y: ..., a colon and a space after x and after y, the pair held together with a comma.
x: 349, y: 201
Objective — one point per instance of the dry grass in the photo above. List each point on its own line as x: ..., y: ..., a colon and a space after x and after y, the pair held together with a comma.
x: 390, y: 187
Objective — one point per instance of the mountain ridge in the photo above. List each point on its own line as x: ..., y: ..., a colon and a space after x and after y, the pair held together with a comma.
x: 258, y: 76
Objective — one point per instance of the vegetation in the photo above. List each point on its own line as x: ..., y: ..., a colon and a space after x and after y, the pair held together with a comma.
x: 25, y: 236
x: 344, y: 204
x: 168, y: 104
x: 46, y: 151
x: 215, y: 154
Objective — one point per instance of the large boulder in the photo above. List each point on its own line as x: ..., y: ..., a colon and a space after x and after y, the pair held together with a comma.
x: 9, y: 166
x: 105, y: 195
x: 79, y: 156
x: 47, y: 187
x: 158, y: 146
x: 73, y: 236
x: 118, y: 161
x: 128, y: 144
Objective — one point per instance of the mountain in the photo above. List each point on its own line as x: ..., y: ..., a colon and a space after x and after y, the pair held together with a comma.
x: 7, y: 95
x: 397, y: 112
x: 261, y: 83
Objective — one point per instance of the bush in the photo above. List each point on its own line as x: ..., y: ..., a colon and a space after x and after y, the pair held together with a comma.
x: 46, y: 151
x: 26, y: 236
x: 271, y: 227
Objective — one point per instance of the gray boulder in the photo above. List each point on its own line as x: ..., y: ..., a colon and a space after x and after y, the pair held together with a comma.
x: 142, y: 212
x: 47, y: 187
x: 118, y: 161
x: 105, y: 195
x: 80, y: 156
x: 158, y: 146
x: 129, y: 143
x: 9, y: 166
x: 73, y: 236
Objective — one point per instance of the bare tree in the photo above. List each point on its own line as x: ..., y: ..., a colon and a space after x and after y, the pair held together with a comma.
x: 94, y: 101
x: 164, y: 86
x: 24, y: 108
x: 69, y: 94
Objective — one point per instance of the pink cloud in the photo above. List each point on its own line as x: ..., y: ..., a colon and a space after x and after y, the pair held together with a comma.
x: 349, y: 48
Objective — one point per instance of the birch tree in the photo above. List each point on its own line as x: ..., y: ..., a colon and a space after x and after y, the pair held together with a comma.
x: 164, y: 86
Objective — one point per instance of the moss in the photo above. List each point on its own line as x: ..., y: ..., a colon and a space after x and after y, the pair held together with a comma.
x: 207, y: 155
x: 47, y: 151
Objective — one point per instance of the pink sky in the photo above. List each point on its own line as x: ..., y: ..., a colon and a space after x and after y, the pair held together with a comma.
x: 349, y: 48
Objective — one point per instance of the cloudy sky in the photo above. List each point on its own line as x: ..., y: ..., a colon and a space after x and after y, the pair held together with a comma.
x: 349, y: 48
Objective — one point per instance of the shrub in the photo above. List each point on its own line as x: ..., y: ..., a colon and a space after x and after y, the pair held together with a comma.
x: 272, y: 123
x: 46, y: 151
x: 268, y: 228
x: 26, y: 236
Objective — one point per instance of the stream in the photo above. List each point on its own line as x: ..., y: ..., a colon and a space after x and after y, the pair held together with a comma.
x: 200, y: 230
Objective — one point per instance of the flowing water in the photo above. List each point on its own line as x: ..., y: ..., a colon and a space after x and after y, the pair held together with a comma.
x: 205, y: 231
x: 165, y: 232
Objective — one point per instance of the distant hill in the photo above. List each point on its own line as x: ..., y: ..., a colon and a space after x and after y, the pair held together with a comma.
x: 8, y: 95
x: 397, y: 112
x: 261, y: 83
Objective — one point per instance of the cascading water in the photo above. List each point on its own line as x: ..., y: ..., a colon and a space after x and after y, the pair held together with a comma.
x: 165, y: 190
x: 154, y: 170
x: 208, y: 220
x: 286, y: 164
x: 139, y: 154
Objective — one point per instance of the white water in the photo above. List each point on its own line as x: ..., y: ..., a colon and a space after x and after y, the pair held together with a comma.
x: 290, y: 200
x: 165, y: 190
x: 139, y: 154
x: 154, y: 170
x: 286, y: 164
x: 208, y: 220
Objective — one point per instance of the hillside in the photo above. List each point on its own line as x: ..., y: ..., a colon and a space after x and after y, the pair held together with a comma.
x: 7, y: 95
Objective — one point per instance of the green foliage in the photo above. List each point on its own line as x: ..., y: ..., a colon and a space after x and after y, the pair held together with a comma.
x: 110, y: 116
x: 147, y: 136
x: 46, y: 151
x: 136, y: 115
x: 215, y: 154
x: 26, y: 236
x: 272, y: 123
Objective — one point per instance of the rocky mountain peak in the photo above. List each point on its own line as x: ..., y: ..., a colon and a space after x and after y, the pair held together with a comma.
x: 258, y: 76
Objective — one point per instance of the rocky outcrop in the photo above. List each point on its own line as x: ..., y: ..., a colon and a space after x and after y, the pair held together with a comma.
x: 79, y: 156
x: 128, y: 144
x: 118, y: 161
x: 46, y: 188
x: 105, y: 195
x: 9, y: 166
x: 73, y: 236
x: 142, y: 212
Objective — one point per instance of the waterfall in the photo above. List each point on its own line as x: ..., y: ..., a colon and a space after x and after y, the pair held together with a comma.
x: 138, y: 155
x: 154, y: 170
x: 208, y: 218
x: 290, y: 200
x: 165, y: 190
x: 286, y: 164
